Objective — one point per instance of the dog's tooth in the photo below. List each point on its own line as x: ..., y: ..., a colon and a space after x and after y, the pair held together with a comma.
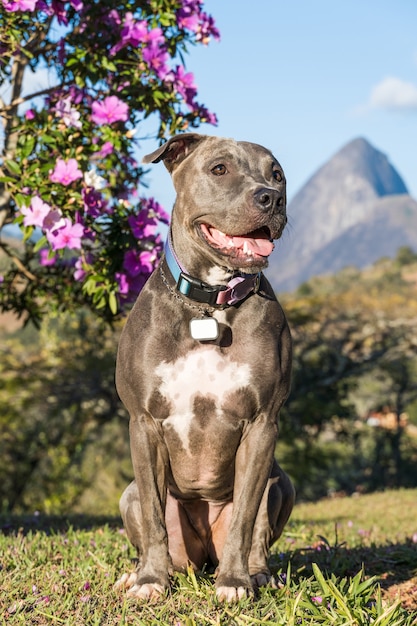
x: 246, y: 249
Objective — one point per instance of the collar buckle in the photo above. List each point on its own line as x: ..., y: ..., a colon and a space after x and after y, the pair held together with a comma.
x: 197, y: 290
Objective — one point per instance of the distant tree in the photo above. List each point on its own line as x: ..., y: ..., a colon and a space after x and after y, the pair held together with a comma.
x: 68, y: 169
x: 405, y: 255
x: 346, y: 336
x: 57, y: 403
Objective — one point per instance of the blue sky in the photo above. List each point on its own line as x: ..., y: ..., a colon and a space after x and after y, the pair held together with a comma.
x: 303, y: 78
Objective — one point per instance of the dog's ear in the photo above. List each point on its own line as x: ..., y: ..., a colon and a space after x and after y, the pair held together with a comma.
x: 175, y: 150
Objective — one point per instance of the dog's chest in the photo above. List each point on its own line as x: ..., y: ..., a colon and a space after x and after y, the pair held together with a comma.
x: 199, y: 388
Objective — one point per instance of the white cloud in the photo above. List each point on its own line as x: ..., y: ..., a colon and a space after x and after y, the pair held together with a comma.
x: 393, y: 94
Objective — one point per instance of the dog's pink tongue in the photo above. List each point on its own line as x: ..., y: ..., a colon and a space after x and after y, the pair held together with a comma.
x: 256, y: 242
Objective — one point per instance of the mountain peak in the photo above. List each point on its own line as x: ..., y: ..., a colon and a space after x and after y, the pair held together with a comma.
x: 348, y: 192
x: 361, y: 158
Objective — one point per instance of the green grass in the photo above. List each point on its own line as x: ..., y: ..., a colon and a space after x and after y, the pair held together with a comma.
x: 337, y: 563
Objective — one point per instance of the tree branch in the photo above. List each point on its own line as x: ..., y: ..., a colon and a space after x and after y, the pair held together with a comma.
x: 9, y: 112
x: 20, y: 266
x: 10, y: 140
x: 15, y: 103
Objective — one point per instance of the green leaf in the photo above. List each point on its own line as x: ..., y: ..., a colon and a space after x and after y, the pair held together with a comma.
x: 28, y: 146
x: 28, y: 233
x: 13, y: 167
x: 90, y: 285
x: 113, y: 302
x: 108, y: 65
x: 101, y: 303
x: 41, y: 243
x: 79, y: 81
x: 320, y: 579
x: 21, y: 199
x: 48, y: 139
x: 342, y: 604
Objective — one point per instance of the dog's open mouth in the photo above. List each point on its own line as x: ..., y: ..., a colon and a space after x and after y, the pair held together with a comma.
x: 251, y: 246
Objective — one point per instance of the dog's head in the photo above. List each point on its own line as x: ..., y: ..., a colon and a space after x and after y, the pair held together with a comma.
x: 230, y: 198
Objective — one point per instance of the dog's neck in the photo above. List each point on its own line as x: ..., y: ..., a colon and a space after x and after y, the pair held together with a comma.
x: 194, y: 259
x: 233, y: 287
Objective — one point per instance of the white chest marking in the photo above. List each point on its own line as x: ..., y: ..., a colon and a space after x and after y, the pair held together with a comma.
x: 201, y: 373
x: 217, y: 275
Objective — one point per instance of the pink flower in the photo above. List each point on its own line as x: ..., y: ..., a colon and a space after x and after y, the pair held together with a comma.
x: 30, y: 114
x: 53, y: 220
x: 207, y: 29
x: 156, y: 58
x: 60, y: 11
x: 110, y: 110
x: 19, y: 5
x: 94, y: 203
x: 184, y: 83
x: 191, y: 17
x: 106, y: 149
x: 143, y: 225
x: 36, y: 212
x: 58, y: 8
x: 139, y: 263
x: 132, y: 33
x: 122, y: 282
x: 81, y: 267
x: 65, y: 172
x: 129, y: 286
x: 68, y: 236
x: 205, y: 115
x: 317, y: 599
x: 156, y: 37
x: 69, y: 115
x: 114, y: 17
x: 45, y: 260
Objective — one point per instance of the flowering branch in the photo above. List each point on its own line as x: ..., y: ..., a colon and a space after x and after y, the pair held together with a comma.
x: 5, y: 108
x: 69, y: 177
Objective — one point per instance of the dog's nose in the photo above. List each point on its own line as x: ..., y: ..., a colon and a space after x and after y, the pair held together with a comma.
x: 269, y: 199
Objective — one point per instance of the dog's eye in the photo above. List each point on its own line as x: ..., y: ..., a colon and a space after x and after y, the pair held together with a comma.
x: 219, y: 170
x: 277, y: 175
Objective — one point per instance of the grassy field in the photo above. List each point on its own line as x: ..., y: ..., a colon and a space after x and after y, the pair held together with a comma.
x: 349, y: 561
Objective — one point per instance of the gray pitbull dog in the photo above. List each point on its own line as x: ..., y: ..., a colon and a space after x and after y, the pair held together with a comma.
x: 203, y: 368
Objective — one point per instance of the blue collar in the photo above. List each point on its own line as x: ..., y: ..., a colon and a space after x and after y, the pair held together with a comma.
x: 238, y: 288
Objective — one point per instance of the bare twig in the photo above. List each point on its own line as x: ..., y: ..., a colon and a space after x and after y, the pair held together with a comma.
x: 22, y: 99
x: 20, y: 266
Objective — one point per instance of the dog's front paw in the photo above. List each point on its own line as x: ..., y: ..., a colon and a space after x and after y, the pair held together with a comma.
x: 232, y: 594
x: 148, y: 591
x: 126, y: 581
x: 134, y: 589
x: 231, y: 589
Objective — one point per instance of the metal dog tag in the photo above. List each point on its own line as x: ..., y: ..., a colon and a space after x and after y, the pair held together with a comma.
x: 204, y: 329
